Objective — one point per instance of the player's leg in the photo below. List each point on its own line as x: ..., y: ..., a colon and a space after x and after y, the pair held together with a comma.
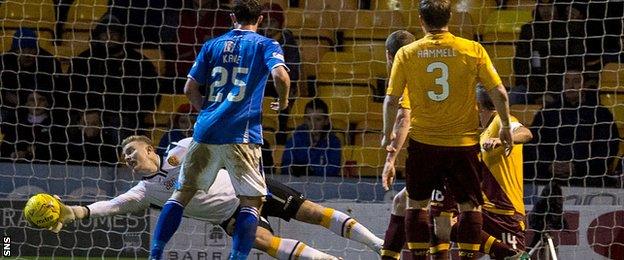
x: 507, y: 235
x: 287, y: 249
x: 339, y: 223
x: 442, y: 210
x: 280, y: 248
x: 394, y: 239
x: 422, y: 176
x: 286, y: 203
x: 243, y: 163
x: 464, y: 183
x: 191, y: 177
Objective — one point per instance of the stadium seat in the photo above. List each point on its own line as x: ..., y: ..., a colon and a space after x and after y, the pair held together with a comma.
x: 369, y: 25
x: 337, y: 112
x: 156, y: 57
x: 504, y: 25
x: 612, y: 77
x: 269, y: 116
x: 359, y: 68
x: 72, y: 44
x: 282, y: 3
x: 368, y: 161
x: 156, y: 134
x: 614, y: 101
x: 502, y: 56
x: 278, y: 151
x: 525, y: 113
x: 166, y: 110
x: 526, y: 5
x: 44, y: 38
x: 461, y: 25
x: 37, y: 14
x: 269, y: 137
x: 84, y: 13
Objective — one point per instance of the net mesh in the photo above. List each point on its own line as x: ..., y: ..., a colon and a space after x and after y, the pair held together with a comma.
x: 78, y: 76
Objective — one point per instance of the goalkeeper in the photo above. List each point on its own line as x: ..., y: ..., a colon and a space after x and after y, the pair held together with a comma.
x: 219, y: 205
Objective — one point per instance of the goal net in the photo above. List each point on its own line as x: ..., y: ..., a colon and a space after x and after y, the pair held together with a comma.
x: 78, y: 76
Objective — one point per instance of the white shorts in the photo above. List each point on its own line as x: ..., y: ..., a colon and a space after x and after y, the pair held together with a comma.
x: 242, y: 161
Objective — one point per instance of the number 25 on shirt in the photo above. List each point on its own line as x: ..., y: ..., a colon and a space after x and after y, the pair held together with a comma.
x: 224, y: 78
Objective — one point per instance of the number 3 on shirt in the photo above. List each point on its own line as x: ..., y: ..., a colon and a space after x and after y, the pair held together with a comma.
x: 223, y: 80
x: 442, y: 81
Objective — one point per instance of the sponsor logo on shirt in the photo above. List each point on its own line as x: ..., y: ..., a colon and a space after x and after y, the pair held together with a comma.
x: 229, y: 46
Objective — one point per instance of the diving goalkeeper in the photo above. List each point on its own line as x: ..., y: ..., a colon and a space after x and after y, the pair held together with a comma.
x: 219, y: 205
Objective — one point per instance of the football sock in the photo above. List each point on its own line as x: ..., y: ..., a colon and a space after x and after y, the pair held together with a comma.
x: 489, y: 245
x: 417, y: 232
x: 469, y: 225
x: 287, y: 249
x: 244, y: 233
x: 394, y: 239
x: 345, y: 226
x: 440, y: 245
x: 168, y: 222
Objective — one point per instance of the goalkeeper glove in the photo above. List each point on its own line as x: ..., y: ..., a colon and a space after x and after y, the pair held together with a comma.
x: 68, y: 214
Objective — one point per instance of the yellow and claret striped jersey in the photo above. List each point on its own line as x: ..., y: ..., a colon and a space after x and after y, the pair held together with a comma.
x: 503, y: 176
x: 440, y: 73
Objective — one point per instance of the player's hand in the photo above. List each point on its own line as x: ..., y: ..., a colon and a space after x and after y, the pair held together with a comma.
x: 67, y: 216
x: 506, y: 139
x: 279, y: 105
x: 492, y: 143
x: 386, y: 140
x: 388, y: 174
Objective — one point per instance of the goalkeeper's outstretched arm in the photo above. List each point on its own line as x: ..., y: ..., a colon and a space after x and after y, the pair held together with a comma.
x: 132, y: 201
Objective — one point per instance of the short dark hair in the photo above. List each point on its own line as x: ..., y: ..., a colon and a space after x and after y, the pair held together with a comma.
x: 435, y: 13
x: 398, y: 39
x: 247, y: 11
x: 317, y: 104
x: 484, y: 100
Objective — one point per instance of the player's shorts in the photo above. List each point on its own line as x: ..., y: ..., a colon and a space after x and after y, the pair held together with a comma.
x: 242, y: 161
x: 228, y: 224
x: 507, y: 228
x: 282, y: 201
x: 430, y: 166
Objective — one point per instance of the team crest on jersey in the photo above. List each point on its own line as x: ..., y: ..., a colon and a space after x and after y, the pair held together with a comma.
x: 173, y: 161
x: 229, y: 46
x: 278, y: 55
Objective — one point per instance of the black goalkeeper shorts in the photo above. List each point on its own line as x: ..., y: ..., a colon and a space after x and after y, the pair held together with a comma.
x: 228, y: 225
x: 282, y: 201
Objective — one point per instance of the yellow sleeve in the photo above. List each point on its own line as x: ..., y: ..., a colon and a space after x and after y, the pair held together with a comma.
x: 405, y: 102
x: 487, y: 73
x: 396, y: 85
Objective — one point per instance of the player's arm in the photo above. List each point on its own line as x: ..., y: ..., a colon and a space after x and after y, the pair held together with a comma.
x: 520, y: 133
x: 131, y: 201
x: 191, y: 90
x: 401, y: 128
x: 197, y: 78
x: 396, y: 87
x: 282, y: 85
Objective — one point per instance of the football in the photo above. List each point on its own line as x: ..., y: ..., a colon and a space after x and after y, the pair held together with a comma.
x: 42, y: 210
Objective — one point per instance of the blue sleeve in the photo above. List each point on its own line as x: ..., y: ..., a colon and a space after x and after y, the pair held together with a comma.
x: 334, y: 157
x: 199, y: 71
x: 274, y: 55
